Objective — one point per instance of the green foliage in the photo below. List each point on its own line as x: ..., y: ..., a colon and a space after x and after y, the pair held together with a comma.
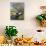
x: 45, y: 16
x: 41, y: 17
x: 11, y: 31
